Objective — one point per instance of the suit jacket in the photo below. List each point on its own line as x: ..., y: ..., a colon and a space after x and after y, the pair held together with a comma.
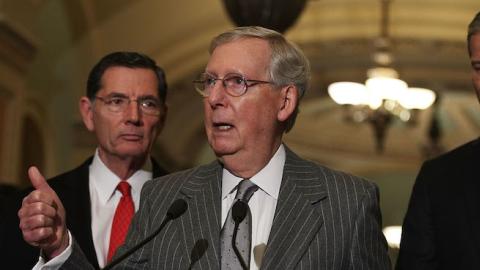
x: 324, y: 219
x: 72, y: 189
x: 441, y: 229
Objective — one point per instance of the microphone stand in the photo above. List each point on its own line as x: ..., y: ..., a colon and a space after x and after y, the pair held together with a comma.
x: 177, y: 208
x: 235, y: 249
x: 239, y: 211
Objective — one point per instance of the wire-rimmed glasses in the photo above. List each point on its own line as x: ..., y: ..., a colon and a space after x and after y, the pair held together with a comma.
x: 234, y: 84
x: 119, y: 103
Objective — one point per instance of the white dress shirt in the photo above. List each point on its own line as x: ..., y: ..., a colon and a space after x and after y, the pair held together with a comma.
x: 103, y: 200
x: 262, y: 204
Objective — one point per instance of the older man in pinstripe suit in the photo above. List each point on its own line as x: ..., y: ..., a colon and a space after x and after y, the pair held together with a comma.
x: 303, y: 215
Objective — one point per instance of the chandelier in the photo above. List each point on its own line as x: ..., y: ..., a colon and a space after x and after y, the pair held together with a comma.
x: 384, y: 96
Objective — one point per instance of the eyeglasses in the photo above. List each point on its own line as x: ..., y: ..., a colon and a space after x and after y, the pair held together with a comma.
x: 148, y: 105
x: 234, y: 84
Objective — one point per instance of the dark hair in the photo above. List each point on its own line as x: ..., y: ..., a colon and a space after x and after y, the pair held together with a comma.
x: 124, y: 59
x: 473, y: 28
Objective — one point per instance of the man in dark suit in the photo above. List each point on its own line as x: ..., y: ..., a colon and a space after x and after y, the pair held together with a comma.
x: 125, y: 108
x: 297, y: 214
x: 441, y: 227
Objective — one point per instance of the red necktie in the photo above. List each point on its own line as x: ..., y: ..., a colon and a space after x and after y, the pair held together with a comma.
x: 121, y: 220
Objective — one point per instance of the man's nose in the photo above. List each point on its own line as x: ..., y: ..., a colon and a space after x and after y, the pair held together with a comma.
x: 217, y: 94
x: 133, y: 111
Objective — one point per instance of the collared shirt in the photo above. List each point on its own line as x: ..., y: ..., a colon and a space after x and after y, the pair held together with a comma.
x: 104, y: 198
x: 262, y: 204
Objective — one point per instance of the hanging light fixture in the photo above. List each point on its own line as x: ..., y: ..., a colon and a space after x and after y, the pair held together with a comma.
x: 383, y: 96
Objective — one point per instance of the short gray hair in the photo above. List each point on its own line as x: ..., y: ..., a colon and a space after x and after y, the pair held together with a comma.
x: 473, y: 28
x: 288, y: 64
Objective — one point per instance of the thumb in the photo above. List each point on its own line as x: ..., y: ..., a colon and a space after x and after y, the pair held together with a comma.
x: 37, y: 179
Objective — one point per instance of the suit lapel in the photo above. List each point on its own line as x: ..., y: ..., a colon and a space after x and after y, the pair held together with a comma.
x: 202, y: 229
x: 76, y: 198
x: 297, y: 216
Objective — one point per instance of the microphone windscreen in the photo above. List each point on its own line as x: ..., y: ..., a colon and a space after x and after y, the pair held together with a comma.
x: 239, y: 211
x: 177, y: 208
x: 198, y: 250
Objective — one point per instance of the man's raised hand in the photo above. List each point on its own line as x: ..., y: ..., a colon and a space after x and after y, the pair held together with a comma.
x: 42, y: 217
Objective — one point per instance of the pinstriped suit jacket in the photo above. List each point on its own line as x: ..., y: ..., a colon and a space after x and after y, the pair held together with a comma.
x: 324, y: 219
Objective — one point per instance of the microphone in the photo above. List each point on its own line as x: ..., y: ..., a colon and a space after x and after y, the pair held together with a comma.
x: 177, y: 208
x: 198, y: 251
x: 239, y: 212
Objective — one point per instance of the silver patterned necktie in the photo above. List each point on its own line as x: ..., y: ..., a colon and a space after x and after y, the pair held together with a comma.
x: 238, y: 226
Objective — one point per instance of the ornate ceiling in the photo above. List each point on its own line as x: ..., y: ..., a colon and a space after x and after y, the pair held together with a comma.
x: 428, y: 45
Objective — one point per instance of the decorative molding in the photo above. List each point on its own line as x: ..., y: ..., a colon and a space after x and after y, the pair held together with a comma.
x: 17, y: 48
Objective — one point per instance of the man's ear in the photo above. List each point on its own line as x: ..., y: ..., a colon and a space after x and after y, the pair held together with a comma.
x: 288, y: 102
x: 86, y: 110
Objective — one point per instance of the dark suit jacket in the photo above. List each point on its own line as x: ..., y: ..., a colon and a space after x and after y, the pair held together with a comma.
x: 441, y: 229
x: 324, y: 219
x: 72, y: 189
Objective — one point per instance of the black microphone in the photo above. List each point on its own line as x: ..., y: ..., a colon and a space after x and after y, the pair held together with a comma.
x: 177, y: 208
x: 239, y: 212
x: 198, y: 250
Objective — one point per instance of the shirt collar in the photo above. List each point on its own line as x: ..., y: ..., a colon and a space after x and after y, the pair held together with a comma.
x: 105, y: 181
x: 268, y: 179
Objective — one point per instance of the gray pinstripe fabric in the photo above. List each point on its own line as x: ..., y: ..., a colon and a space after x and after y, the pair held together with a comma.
x: 324, y: 219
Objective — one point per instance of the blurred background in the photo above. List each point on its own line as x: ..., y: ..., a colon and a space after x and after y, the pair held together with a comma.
x: 47, y: 48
